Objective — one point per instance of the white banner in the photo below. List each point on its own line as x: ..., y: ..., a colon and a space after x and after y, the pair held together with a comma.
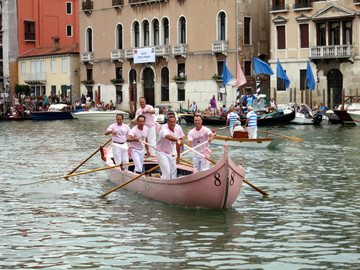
x: 144, y: 55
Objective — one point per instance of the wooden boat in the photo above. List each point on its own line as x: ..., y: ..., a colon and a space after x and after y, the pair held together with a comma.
x: 355, y: 116
x: 96, y: 115
x: 217, y: 187
x: 342, y: 113
x: 246, y: 142
x: 276, y: 118
x: 55, y: 112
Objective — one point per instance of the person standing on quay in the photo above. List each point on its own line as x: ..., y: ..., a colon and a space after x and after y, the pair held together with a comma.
x: 136, y: 148
x: 251, y: 123
x: 196, y: 136
x: 119, y: 132
x: 149, y: 112
x: 170, y: 136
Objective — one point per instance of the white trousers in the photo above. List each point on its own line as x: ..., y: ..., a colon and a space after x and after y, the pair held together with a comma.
x: 200, y: 163
x: 152, y: 139
x: 167, y: 165
x: 120, y: 153
x: 138, y: 158
x: 252, y: 131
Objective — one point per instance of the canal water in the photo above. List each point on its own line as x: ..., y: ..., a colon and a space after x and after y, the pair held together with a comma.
x: 311, y: 220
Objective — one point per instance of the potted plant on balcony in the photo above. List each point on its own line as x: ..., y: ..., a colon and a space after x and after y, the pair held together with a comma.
x: 117, y: 81
x: 87, y: 82
x: 179, y: 79
x: 217, y: 77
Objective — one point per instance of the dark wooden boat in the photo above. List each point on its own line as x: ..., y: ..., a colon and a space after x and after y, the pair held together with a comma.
x: 55, y: 112
x: 344, y: 117
x: 276, y: 118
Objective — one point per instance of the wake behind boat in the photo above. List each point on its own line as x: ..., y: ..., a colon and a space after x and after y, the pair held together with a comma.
x: 217, y: 187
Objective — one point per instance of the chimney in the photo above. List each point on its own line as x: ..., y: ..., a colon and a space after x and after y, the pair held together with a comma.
x: 56, y: 43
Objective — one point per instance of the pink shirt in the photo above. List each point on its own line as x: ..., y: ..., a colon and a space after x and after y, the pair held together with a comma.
x: 122, y: 132
x: 164, y: 145
x: 149, y: 118
x: 141, y: 134
x: 198, y: 137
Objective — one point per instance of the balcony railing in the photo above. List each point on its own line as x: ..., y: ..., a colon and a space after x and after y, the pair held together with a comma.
x: 117, y: 55
x: 162, y: 50
x: 356, y: 2
x: 144, y: 2
x: 279, y: 8
x: 87, y: 5
x: 335, y: 51
x: 87, y: 57
x: 35, y: 77
x: 129, y: 53
x: 179, y: 50
x: 220, y: 46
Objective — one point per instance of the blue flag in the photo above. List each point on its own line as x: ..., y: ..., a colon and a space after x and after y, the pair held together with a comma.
x: 310, y: 77
x: 261, y: 67
x: 280, y: 73
x: 226, y: 76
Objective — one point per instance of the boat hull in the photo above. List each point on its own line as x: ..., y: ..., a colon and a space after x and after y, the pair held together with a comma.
x: 98, y: 115
x: 51, y: 115
x: 355, y: 116
x: 217, y: 187
x: 344, y: 117
x: 245, y: 142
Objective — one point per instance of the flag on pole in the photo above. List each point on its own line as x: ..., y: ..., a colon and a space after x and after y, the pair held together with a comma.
x: 261, y: 67
x: 310, y: 77
x: 240, y: 78
x: 226, y: 76
x: 280, y: 73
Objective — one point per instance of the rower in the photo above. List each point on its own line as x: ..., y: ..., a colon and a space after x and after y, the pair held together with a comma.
x: 196, y: 136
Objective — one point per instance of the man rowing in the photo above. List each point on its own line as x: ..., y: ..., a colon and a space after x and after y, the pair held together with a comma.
x: 170, y: 137
x: 136, y: 148
x: 119, y: 132
x: 196, y: 136
x: 149, y: 112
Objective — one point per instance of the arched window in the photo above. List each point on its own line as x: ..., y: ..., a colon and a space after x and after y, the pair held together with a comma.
x: 165, y: 84
x: 222, y: 26
x: 136, y: 34
x: 119, y: 37
x: 182, y: 30
x: 146, y: 33
x: 156, y: 32
x: 166, y: 40
x: 89, y: 38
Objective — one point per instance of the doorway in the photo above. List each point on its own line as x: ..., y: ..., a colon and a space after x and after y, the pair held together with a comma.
x: 334, y: 82
x: 149, y: 91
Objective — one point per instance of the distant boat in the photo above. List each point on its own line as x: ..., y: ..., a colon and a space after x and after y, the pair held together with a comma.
x: 217, y: 187
x: 99, y: 114
x: 246, y: 142
x: 55, y: 112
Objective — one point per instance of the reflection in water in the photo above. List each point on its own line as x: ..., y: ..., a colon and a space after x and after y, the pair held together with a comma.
x: 309, y: 221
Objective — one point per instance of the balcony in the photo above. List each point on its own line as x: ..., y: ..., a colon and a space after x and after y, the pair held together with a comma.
x: 87, y: 6
x: 117, y: 55
x: 145, y: 2
x: 220, y: 46
x: 87, y: 57
x: 332, y: 52
x: 179, y: 50
x: 279, y: 8
x: 162, y: 51
x: 356, y: 2
x: 118, y: 4
x: 302, y: 6
x: 35, y: 77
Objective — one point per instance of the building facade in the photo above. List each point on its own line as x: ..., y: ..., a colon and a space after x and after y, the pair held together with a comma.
x: 52, y: 70
x: 191, y: 40
x: 325, y: 33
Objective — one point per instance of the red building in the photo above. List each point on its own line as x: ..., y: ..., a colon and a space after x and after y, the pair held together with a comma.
x: 40, y: 20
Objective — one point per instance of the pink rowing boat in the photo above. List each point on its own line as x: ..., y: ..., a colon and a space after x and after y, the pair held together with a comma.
x: 217, y: 187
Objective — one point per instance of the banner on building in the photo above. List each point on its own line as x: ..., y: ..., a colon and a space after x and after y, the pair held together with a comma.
x: 144, y: 55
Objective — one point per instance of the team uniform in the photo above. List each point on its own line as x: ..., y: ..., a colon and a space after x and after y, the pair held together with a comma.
x: 252, y: 125
x: 197, y: 137
x: 232, y: 119
x: 119, y: 145
x: 150, y: 122
x: 164, y: 149
x: 137, y: 149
